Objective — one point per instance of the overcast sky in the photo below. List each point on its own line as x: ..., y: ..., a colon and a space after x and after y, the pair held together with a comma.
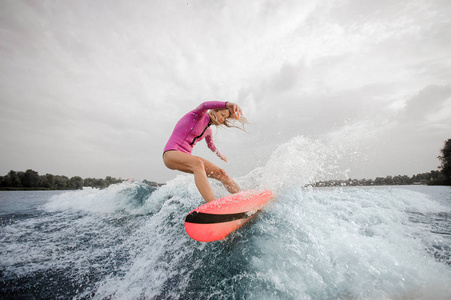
x: 94, y: 88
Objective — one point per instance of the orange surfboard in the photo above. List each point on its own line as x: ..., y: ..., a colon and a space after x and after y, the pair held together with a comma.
x: 215, y: 220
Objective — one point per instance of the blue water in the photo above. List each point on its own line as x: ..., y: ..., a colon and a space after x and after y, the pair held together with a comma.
x: 128, y: 241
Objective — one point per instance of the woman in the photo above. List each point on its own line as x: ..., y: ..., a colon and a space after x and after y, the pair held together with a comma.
x: 193, y: 127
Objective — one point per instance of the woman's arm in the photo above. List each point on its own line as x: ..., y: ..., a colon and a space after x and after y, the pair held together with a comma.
x: 210, y: 105
x: 211, y: 145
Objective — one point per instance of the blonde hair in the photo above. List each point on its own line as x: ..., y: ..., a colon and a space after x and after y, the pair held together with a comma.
x: 230, y: 121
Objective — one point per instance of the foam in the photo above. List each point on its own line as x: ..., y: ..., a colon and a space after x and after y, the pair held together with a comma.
x: 128, y: 241
x: 127, y: 196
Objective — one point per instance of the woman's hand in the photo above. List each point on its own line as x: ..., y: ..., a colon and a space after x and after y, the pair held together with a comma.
x: 234, y: 109
x: 223, y: 157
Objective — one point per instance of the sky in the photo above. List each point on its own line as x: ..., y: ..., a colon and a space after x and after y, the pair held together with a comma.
x: 94, y: 88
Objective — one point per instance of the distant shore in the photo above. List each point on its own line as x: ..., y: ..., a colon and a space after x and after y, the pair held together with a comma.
x: 23, y: 189
x: 153, y: 184
x: 30, y: 180
x: 429, y: 178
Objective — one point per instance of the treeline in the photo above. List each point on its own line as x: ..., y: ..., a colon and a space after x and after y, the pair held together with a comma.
x: 31, y: 180
x: 430, y: 178
x: 441, y: 177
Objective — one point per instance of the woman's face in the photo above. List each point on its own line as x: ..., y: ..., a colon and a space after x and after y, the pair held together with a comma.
x: 221, y: 115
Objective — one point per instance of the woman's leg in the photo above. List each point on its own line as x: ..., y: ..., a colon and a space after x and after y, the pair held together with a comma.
x: 217, y: 173
x: 201, y: 168
x: 177, y: 160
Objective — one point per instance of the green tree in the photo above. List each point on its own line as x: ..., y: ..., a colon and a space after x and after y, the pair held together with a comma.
x: 15, y: 179
x: 101, y: 183
x: 445, y: 160
x: 4, y: 181
x: 43, y: 183
x: 12, y: 179
x: 379, y: 181
x: 388, y: 180
x: 61, y: 182
x: 76, y: 182
x: 31, y: 179
x: 88, y: 182
x: 50, y: 181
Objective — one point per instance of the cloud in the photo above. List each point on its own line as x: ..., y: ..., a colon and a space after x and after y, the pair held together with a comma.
x: 430, y: 100
x: 105, y: 83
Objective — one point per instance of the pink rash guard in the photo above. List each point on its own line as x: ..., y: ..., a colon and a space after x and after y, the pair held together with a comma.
x: 193, y: 127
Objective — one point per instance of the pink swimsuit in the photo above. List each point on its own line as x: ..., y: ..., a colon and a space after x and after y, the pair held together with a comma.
x: 193, y: 127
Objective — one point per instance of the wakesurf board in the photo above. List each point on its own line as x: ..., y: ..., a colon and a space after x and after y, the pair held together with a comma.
x: 215, y: 220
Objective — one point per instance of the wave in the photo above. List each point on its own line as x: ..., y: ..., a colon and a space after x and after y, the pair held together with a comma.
x: 128, y: 241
